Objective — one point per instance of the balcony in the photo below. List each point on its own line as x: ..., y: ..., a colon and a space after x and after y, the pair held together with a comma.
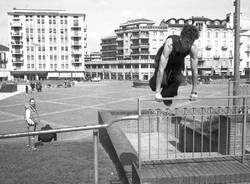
x: 76, y: 53
x: 76, y: 26
x: 17, y: 61
x: 108, y: 44
x: 119, y: 54
x: 224, y: 47
x: 16, y: 34
x: 216, y: 57
x: 76, y: 61
x: 76, y: 35
x: 119, y: 38
x: 144, y: 36
x: 135, y: 53
x: 134, y: 37
x: 119, y: 47
x: 76, y: 44
x: 3, y: 61
x: 145, y: 45
x: 17, y: 43
x: 16, y: 24
x: 144, y: 52
x: 134, y: 46
x: 17, y: 52
x: 208, y: 47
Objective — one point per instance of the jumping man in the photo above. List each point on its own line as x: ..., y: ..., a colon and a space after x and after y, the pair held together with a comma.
x: 170, y: 64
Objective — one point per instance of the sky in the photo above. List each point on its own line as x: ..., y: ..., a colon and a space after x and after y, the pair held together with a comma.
x: 104, y: 16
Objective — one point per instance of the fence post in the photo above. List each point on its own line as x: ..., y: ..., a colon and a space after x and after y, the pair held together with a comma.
x: 228, y: 92
x: 95, y: 137
x: 244, y: 129
x: 139, y: 133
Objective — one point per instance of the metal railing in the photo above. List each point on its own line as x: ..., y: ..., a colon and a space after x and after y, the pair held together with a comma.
x: 95, y: 129
x: 178, y: 133
x: 193, y: 132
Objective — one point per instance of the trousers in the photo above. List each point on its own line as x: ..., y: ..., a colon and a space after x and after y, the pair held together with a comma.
x: 171, y: 81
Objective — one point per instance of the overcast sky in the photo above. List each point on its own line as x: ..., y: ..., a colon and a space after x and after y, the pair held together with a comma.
x: 104, y: 16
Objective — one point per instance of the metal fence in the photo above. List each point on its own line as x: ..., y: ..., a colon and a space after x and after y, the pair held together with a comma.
x: 178, y: 133
x: 243, y: 89
x: 95, y: 129
x: 193, y: 132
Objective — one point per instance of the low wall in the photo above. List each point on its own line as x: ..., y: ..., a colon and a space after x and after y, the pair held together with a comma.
x: 117, y: 145
x: 5, y: 87
x: 138, y: 83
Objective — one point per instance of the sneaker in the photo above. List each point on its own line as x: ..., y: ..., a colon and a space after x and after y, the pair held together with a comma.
x: 168, y: 102
x: 33, y: 148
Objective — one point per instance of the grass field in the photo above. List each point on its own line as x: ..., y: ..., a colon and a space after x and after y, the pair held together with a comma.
x: 70, y: 159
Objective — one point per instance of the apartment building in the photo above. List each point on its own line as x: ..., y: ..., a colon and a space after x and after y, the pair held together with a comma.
x: 245, y: 53
x: 215, y: 44
x: 137, y: 42
x: 47, y: 43
x: 130, y: 54
x: 5, y: 64
x: 108, y: 48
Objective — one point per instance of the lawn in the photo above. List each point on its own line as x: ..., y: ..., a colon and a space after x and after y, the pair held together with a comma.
x: 70, y: 159
x: 53, y: 163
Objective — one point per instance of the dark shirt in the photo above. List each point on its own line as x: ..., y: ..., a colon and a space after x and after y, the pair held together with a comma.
x: 178, y: 54
x: 47, y: 137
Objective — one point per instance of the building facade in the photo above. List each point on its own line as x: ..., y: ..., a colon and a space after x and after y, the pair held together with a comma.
x: 137, y: 42
x: 215, y: 44
x: 245, y: 53
x: 139, y: 39
x: 108, y: 48
x: 47, y: 43
x: 5, y: 63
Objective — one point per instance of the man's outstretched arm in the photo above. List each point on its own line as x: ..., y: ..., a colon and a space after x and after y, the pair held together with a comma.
x: 193, y: 64
x: 162, y: 65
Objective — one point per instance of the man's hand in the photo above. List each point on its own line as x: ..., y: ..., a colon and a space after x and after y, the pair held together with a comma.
x: 158, y: 97
x: 193, y: 96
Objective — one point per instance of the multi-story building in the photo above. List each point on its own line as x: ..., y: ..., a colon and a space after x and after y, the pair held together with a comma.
x: 130, y: 54
x: 108, y: 50
x: 245, y: 53
x: 139, y: 40
x: 5, y: 64
x: 47, y: 43
x: 215, y: 44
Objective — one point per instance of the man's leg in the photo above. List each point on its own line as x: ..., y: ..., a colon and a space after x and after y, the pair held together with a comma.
x: 29, y: 141
x: 171, y: 89
x: 33, y: 147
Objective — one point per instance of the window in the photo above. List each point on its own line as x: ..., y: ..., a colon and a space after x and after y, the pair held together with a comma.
x: 216, y: 43
x: 216, y: 34
x: 208, y: 34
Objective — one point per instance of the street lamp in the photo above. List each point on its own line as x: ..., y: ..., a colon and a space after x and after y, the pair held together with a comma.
x: 236, y: 50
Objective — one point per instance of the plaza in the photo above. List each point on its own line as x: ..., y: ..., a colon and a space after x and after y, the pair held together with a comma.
x: 78, y: 106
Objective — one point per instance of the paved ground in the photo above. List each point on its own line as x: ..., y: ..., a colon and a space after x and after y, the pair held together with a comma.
x: 79, y: 105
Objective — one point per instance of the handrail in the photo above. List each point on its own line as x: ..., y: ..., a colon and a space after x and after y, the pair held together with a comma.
x: 67, y: 129
x: 199, y: 98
